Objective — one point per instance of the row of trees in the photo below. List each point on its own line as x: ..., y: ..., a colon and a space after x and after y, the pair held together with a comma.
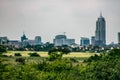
x: 45, y: 47
x: 48, y: 46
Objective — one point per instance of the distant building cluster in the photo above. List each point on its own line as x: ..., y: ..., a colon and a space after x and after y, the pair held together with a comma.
x: 25, y: 41
x: 98, y: 40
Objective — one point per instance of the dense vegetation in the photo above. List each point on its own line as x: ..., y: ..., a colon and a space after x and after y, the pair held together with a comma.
x: 34, y: 54
x: 48, y: 46
x: 2, y: 48
x: 56, y: 53
x: 17, y: 54
x: 106, y: 66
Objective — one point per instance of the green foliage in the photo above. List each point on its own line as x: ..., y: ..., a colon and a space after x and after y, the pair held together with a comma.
x: 20, y: 60
x: 17, y: 54
x: 103, y: 70
x: 3, y: 49
x: 55, y: 66
x: 73, y: 60
x: 114, y: 52
x: 56, y: 70
x: 45, y: 47
x: 103, y: 67
x: 64, y: 50
x: 93, y: 58
x: 4, y: 56
x: 34, y: 55
x: 2, y: 68
x: 55, y: 55
x: 38, y: 48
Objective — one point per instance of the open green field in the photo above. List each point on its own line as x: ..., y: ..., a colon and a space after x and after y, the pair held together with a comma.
x: 45, y: 54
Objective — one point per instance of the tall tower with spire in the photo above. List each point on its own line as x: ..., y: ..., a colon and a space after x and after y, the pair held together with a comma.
x: 100, y: 33
x: 23, y: 38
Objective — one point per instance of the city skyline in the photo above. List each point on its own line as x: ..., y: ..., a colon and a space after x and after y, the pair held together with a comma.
x: 48, y: 18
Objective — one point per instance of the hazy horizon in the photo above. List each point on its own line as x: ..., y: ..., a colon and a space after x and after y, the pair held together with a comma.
x: 48, y: 18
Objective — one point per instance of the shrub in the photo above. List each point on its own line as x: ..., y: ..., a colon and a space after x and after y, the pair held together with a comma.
x: 64, y: 50
x: 55, y: 66
x: 114, y: 52
x: 34, y: 55
x: 17, y: 54
x: 73, y: 59
x: 20, y: 60
x: 5, y: 56
x: 57, y: 52
x: 2, y: 49
x: 55, y: 55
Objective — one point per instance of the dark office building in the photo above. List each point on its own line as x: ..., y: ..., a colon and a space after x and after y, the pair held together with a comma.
x: 100, y: 33
x: 118, y: 37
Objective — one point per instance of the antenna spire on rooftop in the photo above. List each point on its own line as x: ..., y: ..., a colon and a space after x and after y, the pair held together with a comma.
x: 23, y: 32
x: 64, y: 33
x: 100, y: 13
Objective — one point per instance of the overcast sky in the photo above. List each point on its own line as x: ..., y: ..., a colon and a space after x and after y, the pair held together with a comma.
x: 47, y: 18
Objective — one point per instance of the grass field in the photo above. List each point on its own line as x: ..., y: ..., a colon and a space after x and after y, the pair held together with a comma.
x: 79, y: 56
x: 45, y: 54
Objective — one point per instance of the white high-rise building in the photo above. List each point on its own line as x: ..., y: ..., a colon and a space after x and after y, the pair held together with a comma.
x: 38, y: 40
x: 62, y: 40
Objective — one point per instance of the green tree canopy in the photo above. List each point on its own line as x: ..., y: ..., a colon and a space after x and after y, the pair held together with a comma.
x: 2, y: 48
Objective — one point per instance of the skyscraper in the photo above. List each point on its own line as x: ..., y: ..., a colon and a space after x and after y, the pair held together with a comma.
x: 24, y: 38
x: 118, y: 37
x: 100, y: 33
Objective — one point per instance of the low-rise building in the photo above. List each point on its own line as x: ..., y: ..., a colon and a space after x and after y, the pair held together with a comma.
x: 14, y: 44
x: 93, y: 40
x: 4, y: 40
x: 84, y: 41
